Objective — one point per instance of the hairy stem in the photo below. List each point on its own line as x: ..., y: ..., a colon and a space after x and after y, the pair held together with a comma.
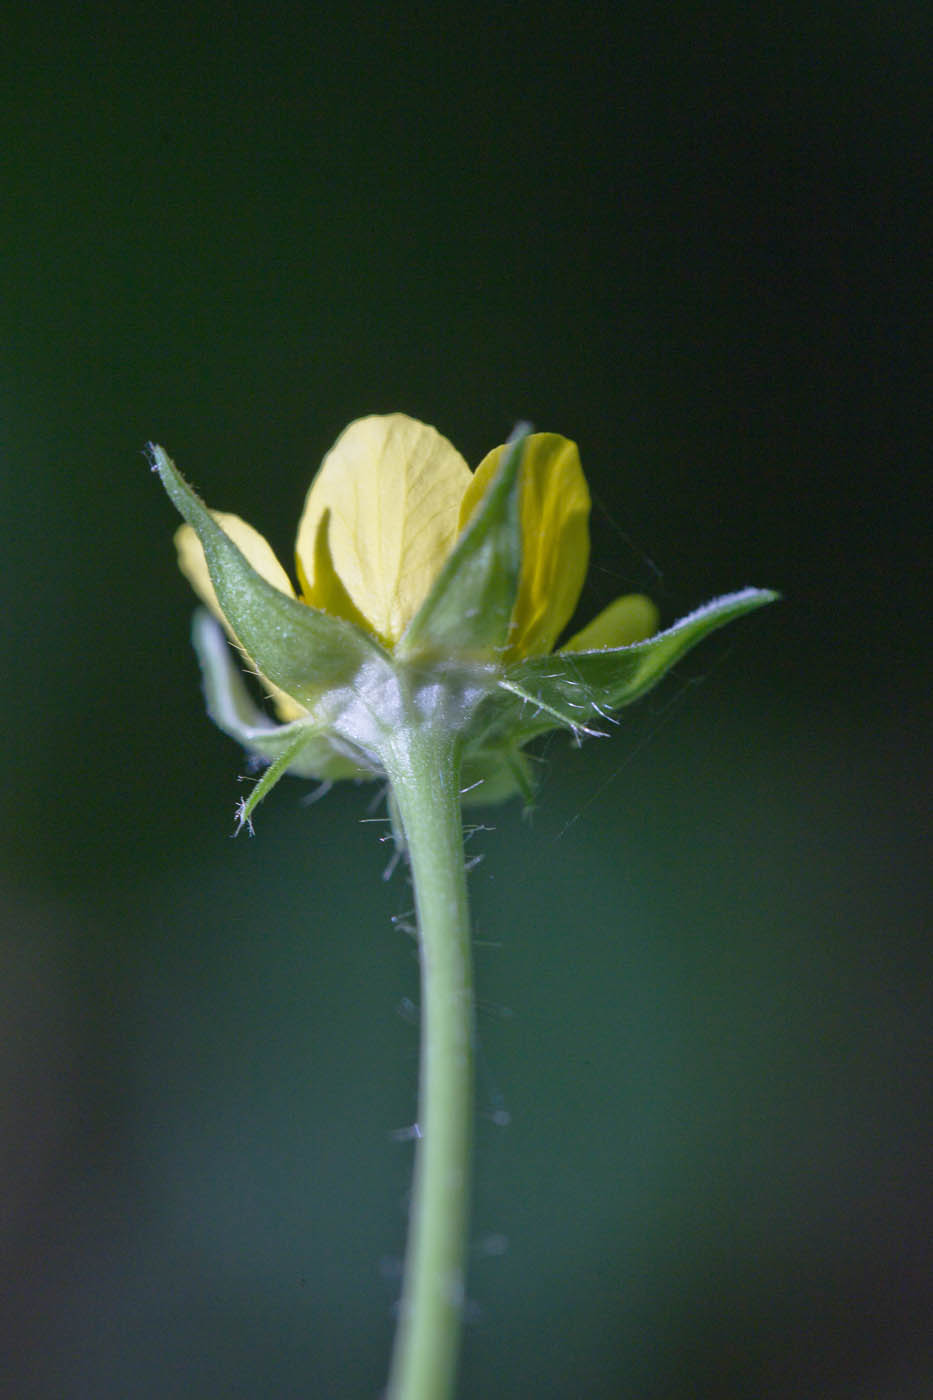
x: 423, y: 767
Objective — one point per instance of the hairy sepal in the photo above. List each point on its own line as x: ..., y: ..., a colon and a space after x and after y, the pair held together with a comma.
x: 301, y: 650
x: 580, y: 689
x: 310, y: 751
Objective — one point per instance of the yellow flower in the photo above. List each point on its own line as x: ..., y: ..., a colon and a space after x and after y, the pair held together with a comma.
x: 384, y: 512
x: 429, y: 597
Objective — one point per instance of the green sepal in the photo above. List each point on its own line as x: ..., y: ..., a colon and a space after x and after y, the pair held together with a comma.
x: 300, y: 649
x: 578, y: 688
x: 469, y: 608
x: 311, y: 754
x: 247, y: 805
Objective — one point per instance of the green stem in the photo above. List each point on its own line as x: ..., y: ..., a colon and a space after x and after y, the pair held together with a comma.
x: 424, y: 770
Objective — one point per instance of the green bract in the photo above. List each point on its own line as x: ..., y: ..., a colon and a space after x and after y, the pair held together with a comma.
x: 349, y: 664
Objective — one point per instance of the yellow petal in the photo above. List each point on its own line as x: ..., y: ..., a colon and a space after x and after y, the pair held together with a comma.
x: 633, y: 618
x: 257, y: 550
x: 555, y: 537
x: 393, y: 487
x: 325, y: 590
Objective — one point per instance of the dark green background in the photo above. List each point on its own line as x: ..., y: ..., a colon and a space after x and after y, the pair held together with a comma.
x: 687, y: 237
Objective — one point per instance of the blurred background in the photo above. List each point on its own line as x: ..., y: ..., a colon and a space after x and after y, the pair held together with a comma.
x: 688, y: 237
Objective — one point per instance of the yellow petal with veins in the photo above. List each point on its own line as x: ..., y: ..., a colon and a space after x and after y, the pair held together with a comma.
x: 393, y: 488
x: 257, y: 550
x: 633, y: 618
x: 555, y: 537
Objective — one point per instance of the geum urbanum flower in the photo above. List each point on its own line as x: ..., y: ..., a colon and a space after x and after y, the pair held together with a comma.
x: 427, y: 592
